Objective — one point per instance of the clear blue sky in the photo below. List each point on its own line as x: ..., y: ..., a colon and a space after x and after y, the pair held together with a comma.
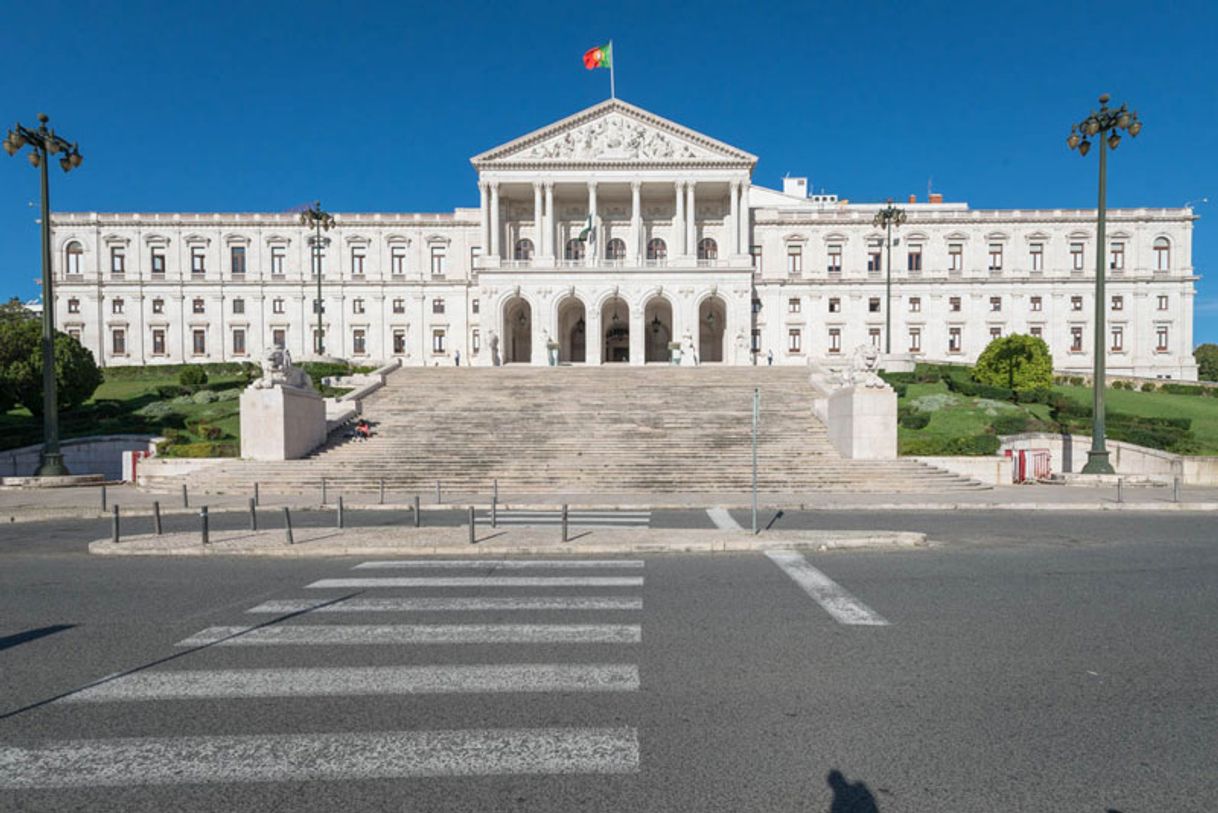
x: 263, y: 105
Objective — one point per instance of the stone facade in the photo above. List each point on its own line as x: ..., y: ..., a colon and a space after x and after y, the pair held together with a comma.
x: 678, y: 248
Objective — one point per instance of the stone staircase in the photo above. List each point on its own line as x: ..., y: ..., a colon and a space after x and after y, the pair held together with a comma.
x: 582, y: 430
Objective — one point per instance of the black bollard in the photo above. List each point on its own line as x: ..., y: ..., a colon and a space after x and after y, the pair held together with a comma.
x: 416, y: 511
x: 203, y: 524
x: 287, y: 523
x: 156, y: 517
x: 472, y: 525
x: 253, y: 515
x: 1120, y: 482
x: 103, y: 497
x: 564, y: 522
x: 185, y: 497
x: 437, y: 492
x: 1175, y: 489
x: 323, y: 491
x: 257, y: 499
x: 114, y: 532
x: 382, y: 497
x: 495, y: 511
x: 340, y: 511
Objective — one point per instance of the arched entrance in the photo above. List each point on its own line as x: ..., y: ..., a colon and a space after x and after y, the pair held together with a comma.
x: 712, y: 326
x: 572, y: 332
x: 517, y: 332
x: 657, y: 318
x: 615, y: 317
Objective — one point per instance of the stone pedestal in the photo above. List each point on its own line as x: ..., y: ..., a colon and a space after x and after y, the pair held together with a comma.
x: 862, y: 422
x: 281, y: 422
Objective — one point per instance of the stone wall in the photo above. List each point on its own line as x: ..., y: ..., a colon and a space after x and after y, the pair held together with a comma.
x: 102, y: 454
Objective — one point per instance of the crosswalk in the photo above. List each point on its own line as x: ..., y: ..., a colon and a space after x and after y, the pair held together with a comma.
x: 425, y: 650
x: 575, y: 519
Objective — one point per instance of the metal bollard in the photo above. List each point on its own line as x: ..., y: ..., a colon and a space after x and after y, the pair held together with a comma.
x: 437, y: 492
x: 564, y: 522
x: 1120, y: 482
x: 1175, y: 489
x: 203, y: 523
x: 257, y: 500
x: 495, y: 489
x: 495, y: 511
x: 382, y: 497
x: 323, y: 491
x: 185, y: 497
x: 340, y: 511
x: 114, y: 525
x: 416, y: 510
x: 253, y: 515
x: 156, y: 517
x: 287, y: 523
x: 471, y: 525
x: 103, y: 497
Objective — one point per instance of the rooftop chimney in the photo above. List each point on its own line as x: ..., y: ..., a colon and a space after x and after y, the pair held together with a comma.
x: 913, y: 198
x: 936, y: 197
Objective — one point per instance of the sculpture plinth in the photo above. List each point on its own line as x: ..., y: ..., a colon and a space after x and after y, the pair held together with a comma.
x: 282, y: 416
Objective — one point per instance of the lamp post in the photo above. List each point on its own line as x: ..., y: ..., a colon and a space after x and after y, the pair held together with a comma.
x: 1106, y: 125
x: 44, y: 143
x: 317, y: 218
x: 886, y: 218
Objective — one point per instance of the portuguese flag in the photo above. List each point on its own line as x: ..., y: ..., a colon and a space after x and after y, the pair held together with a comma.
x: 599, y: 57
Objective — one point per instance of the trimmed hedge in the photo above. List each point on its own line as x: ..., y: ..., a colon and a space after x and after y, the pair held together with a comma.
x: 201, y: 449
x: 1010, y: 424
x: 976, y: 446
x: 915, y: 419
x: 1182, y: 389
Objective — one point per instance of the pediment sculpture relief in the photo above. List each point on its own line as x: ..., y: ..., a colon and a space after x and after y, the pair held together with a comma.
x: 615, y: 138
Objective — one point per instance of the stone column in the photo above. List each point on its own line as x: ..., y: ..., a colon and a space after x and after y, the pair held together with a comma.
x: 592, y: 247
x: 691, y: 224
x: 678, y: 221
x: 548, y: 234
x: 594, y: 350
x: 636, y: 224
x: 743, y: 236
x: 638, y: 334
x: 734, y: 238
x: 484, y: 220
x: 537, y: 230
x: 495, y: 225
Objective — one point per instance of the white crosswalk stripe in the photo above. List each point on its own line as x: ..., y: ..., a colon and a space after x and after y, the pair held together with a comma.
x: 426, y: 605
x: 312, y: 757
x: 830, y: 595
x: 406, y: 634
x: 502, y: 564
x: 581, y: 519
x: 483, y: 581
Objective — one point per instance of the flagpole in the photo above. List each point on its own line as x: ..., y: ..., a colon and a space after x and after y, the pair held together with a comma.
x: 612, y: 62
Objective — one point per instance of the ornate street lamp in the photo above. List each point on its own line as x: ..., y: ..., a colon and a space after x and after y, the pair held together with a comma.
x: 44, y: 143
x: 1106, y: 126
x: 319, y: 220
x: 886, y: 218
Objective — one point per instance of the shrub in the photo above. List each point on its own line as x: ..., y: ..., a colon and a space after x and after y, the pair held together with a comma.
x: 204, y: 397
x: 898, y: 378
x: 201, y: 449
x: 1010, y: 424
x: 1206, y: 356
x: 915, y: 419
x: 193, y: 378
x: 1035, y: 396
x: 977, y: 445
x: 76, y: 372
x: 167, y: 391
x: 1016, y: 362
x: 1149, y: 386
x: 1076, y: 380
x: 1182, y: 389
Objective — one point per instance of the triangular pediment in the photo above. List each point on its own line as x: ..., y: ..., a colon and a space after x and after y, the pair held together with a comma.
x: 613, y: 132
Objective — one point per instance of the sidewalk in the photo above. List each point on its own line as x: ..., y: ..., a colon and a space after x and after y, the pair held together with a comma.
x: 86, y: 502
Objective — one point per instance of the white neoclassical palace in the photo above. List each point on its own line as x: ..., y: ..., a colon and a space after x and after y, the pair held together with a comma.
x: 618, y: 236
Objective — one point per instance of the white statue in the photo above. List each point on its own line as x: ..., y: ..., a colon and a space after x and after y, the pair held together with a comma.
x: 277, y: 370
x: 864, y: 368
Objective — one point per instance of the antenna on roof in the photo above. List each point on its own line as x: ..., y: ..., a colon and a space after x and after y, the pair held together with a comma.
x: 929, y: 186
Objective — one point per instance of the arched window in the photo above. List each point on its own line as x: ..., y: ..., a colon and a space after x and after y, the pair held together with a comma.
x: 656, y: 249
x: 1162, y: 254
x: 575, y: 249
x: 708, y: 249
x: 616, y: 249
x: 524, y: 249
x: 72, y: 254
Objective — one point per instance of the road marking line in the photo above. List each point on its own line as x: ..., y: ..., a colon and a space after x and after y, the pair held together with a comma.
x: 310, y: 757
x: 520, y: 513
x: 369, y: 680
x: 722, y: 519
x: 398, y: 634
x: 502, y: 564
x: 397, y: 605
x: 484, y: 581
x: 830, y: 595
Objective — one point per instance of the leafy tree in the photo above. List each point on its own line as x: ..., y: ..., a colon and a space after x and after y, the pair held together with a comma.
x: 15, y: 311
x: 76, y: 373
x: 1207, y: 361
x: 1017, y: 362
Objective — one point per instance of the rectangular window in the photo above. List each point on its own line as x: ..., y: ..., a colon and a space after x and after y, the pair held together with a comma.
x: 1035, y: 303
x: 874, y: 335
x: 995, y: 333
x: 473, y: 306
x: 158, y: 342
x: 118, y: 262
x: 875, y: 257
x: 116, y: 306
x: 239, y: 306
x: 397, y: 261
x: 1076, y: 339
x: 475, y: 341
x: 74, y: 254
x: 279, y: 337
x: 995, y: 256
x: 439, y: 261
x: 873, y: 305
x: 1162, y: 254
x: 198, y: 264
x: 278, y: 253
x: 359, y: 342
x: 438, y: 343
x: 1161, y: 338
x: 74, y: 306
x: 399, y: 342
x: 1118, y: 303
x: 237, y: 260
x: 239, y: 342
x: 793, y: 305
x: 953, y: 304
x: 915, y: 304
x: 1036, y: 330
x: 995, y: 304
x: 199, y: 343
x: 1118, y: 339
x: 1116, y: 257
x: 198, y: 306
x: 913, y: 260
x: 955, y: 341
x: 1076, y: 256
x: 795, y: 259
x: 399, y: 306
x: 794, y: 340
x: 1076, y: 303
x: 835, y: 259
x: 1161, y: 302
x: 835, y: 340
x: 158, y: 263
x: 915, y: 340
x: 118, y: 342
x: 358, y: 255
x: 437, y: 305
x: 955, y: 257
x: 835, y: 305
x: 277, y: 306
x: 357, y: 306
x: 1036, y: 255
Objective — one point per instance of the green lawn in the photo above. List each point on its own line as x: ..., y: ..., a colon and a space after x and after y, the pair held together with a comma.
x: 1202, y: 410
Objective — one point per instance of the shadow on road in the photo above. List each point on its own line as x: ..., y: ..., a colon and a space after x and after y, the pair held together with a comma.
x: 32, y: 635
x: 850, y: 797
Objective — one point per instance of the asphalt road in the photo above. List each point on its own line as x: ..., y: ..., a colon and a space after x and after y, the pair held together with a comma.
x: 1050, y: 662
